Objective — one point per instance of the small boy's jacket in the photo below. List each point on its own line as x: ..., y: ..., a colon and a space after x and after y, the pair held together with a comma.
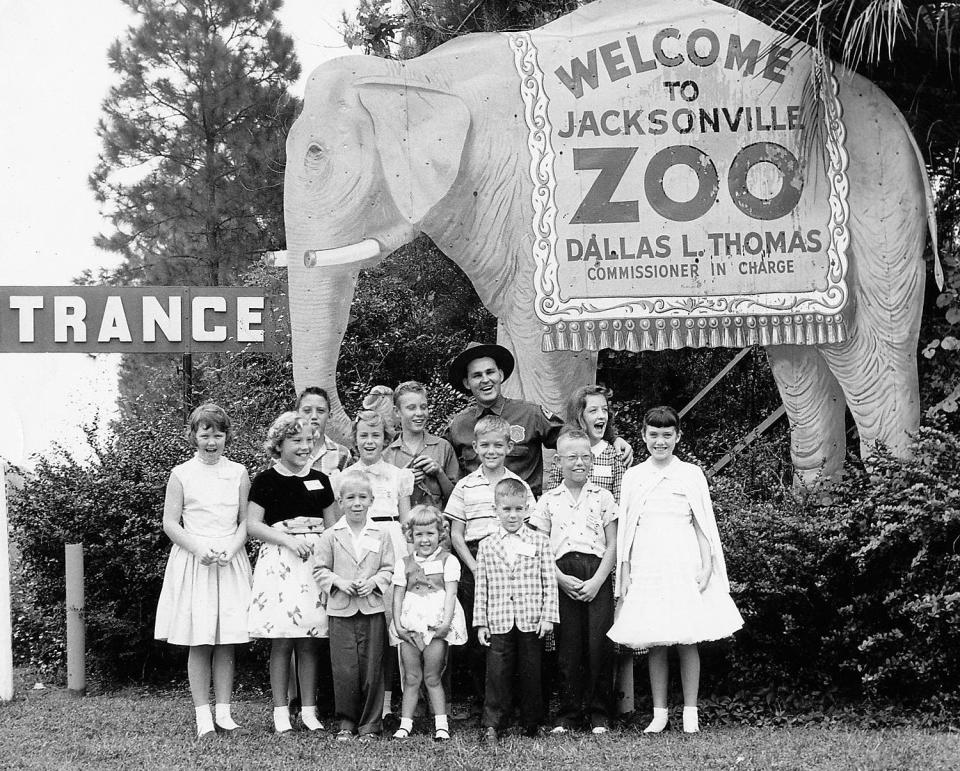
x: 336, y: 558
x: 523, y: 593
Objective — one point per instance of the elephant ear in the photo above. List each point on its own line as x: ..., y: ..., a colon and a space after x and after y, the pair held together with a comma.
x: 420, y: 134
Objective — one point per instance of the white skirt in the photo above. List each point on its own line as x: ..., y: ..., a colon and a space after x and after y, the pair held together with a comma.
x: 203, y: 604
x: 286, y: 601
x: 420, y: 612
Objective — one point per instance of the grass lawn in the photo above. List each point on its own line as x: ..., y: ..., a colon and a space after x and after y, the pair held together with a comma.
x: 137, y: 728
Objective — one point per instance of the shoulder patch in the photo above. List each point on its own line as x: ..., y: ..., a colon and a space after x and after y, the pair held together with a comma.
x: 547, y: 414
x: 517, y: 433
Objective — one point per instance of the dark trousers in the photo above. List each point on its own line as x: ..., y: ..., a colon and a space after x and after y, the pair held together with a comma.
x: 584, y: 651
x: 513, y: 666
x: 357, y: 643
x: 470, y: 658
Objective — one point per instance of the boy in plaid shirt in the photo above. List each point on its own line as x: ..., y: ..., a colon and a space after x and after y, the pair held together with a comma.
x: 514, y: 608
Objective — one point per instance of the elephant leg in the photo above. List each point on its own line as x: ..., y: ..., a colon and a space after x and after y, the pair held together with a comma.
x: 815, y: 407
x: 543, y: 378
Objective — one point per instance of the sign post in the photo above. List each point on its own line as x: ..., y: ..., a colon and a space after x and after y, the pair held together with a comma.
x: 6, y: 629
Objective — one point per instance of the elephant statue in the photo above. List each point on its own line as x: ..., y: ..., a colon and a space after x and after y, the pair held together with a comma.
x: 384, y: 150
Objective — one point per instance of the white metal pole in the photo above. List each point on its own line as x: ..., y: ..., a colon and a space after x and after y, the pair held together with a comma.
x: 6, y: 630
x: 76, y: 631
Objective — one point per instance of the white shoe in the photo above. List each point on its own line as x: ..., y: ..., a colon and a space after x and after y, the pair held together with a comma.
x: 558, y: 729
x: 691, y: 720
x: 599, y: 730
x: 659, y: 721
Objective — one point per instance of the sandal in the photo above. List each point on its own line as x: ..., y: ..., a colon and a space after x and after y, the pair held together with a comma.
x: 441, y: 735
x: 401, y: 733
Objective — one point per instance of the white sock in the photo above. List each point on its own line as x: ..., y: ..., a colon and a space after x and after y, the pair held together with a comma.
x: 440, y: 721
x: 204, y: 720
x: 309, y: 717
x: 659, y: 721
x: 281, y: 719
x: 224, y: 719
x: 406, y: 724
x: 387, y: 698
x: 691, y: 720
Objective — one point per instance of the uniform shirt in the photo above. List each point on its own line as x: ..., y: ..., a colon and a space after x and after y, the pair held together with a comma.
x: 576, y: 524
x: 521, y: 593
x: 427, y: 491
x: 607, y: 470
x: 283, y: 495
x: 531, y: 429
x: 472, y: 502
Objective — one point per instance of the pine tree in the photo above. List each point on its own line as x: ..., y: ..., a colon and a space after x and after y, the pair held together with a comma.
x: 191, y: 172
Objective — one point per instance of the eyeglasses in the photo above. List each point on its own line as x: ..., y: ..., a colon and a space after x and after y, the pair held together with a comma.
x: 575, y: 458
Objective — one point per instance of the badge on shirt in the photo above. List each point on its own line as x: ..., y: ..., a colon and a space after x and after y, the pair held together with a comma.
x: 517, y: 433
x: 604, y: 472
x: 369, y: 543
x: 526, y: 549
x: 432, y: 567
x: 313, y: 484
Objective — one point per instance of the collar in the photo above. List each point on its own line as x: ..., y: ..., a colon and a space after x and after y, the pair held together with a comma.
x: 328, y: 444
x: 599, y: 447
x: 670, y: 470
x: 377, y: 469
x: 342, y: 524
x: 285, y: 472
x: 504, y: 534
x: 562, y: 489
x: 428, y: 440
x: 429, y: 557
x: 496, y: 408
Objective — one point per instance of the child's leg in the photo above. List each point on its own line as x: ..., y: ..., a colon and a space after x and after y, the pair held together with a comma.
x: 223, y: 669
x: 434, y: 660
x: 501, y: 663
x: 659, y: 674
x: 307, y: 653
x: 345, y: 664
x: 412, y: 677
x: 690, y: 679
x: 529, y: 653
x: 571, y: 634
x: 371, y: 647
x: 198, y: 674
x: 280, y: 648
x: 599, y: 689
x: 389, y: 676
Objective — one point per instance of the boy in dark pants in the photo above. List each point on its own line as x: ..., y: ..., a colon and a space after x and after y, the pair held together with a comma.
x: 581, y: 519
x: 515, y: 606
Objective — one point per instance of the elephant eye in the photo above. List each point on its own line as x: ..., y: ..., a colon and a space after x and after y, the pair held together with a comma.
x: 314, y: 157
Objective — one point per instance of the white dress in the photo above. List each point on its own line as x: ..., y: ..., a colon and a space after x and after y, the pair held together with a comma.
x: 206, y: 604
x: 423, y: 613
x: 663, y: 605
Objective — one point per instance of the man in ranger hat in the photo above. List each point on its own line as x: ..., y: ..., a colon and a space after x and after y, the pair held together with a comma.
x: 480, y: 369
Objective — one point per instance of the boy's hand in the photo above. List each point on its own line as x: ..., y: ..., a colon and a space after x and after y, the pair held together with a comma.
x: 544, y: 628
x: 483, y: 635
x: 364, y: 586
x: 569, y: 585
x: 428, y: 465
x: 589, y: 590
x: 703, y: 577
x: 345, y: 586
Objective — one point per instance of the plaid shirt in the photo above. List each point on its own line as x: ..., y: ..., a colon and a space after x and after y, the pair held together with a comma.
x: 522, y: 593
x: 607, y: 472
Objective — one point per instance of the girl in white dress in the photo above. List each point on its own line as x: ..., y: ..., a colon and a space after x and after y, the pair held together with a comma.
x: 426, y: 615
x: 206, y: 585
x: 392, y: 488
x: 290, y: 506
x: 671, y: 578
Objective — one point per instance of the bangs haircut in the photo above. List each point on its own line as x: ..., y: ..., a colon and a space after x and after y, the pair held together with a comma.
x: 208, y: 415
x: 424, y: 515
x: 354, y: 479
x: 492, y: 424
x: 372, y: 418
x: 662, y: 417
x: 577, y: 403
x: 569, y: 434
x: 313, y: 391
x: 287, y: 425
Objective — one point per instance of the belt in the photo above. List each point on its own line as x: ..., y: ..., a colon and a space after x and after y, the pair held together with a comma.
x: 385, y: 518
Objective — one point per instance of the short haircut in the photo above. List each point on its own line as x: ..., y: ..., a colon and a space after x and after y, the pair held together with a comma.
x: 569, y: 433
x: 662, y: 417
x: 509, y: 487
x: 492, y: 424
x: 409, y: 387
x: 207, y: 415
x: 372, y: 418
x: 353, y: 479
x: 424, y: 515
x: 313, y: 391
x: 286, y: 425
x: 577, y: 403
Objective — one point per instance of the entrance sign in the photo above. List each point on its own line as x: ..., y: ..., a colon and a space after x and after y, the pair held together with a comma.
x: 674, y: 203
x: 98, y: 319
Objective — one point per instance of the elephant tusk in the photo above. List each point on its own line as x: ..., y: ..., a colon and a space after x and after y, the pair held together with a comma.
x: 363, y: 251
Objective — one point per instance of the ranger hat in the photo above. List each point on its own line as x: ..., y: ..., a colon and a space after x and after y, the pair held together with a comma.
x: 458, y: 367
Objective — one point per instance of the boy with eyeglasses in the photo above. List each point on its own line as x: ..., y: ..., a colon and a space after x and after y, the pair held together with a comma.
x: 581, y: 519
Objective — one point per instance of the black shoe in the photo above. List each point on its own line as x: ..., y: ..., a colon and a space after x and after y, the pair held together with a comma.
x: 531, y: 731
x: 390, y: 723
x: 489, y: 736
x: 237, y: 731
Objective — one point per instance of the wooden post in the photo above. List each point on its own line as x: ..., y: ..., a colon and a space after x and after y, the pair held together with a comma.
x: 76, y: 631
x: 6, y: 628
x: 186, y: 383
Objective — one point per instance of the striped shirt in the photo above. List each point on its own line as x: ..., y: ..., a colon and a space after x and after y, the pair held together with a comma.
x: 472, y: 503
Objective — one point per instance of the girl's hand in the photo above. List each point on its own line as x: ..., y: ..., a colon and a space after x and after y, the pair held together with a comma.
x: 225, y: 557
x: 345, y: 586
x: 703, y: 577
x: 364, y: 586
x: 299, y: 547
x: 209, y: 556
x: 404, y: 634
x: 441, y: 631
x: 569, y: 585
